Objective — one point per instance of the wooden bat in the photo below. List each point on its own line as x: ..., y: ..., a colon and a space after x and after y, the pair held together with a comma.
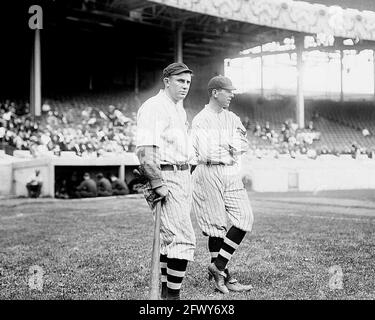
x: 155, y: 262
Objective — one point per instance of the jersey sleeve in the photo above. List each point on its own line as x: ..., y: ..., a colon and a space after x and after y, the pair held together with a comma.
x: 239, y: 142
x: 194, y: 141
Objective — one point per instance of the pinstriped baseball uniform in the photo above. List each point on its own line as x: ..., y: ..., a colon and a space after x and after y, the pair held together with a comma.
x: 218, y: 191
x: 162, y: 123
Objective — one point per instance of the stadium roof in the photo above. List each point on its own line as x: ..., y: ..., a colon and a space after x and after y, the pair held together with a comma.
x: 203, y: 35
x: 354, y: 4
x: 220, y: 28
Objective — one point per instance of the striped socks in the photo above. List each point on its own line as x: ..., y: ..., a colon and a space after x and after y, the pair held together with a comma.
x: 231, y: 242
x: 214, y: 245
x: 163, y: 278
x: 176, y: 269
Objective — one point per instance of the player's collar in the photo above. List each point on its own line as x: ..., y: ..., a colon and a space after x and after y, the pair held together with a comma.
x: 207, y: 106
x: 164, y: 94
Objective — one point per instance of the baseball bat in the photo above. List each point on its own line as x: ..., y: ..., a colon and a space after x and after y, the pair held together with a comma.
x: 155, y: 262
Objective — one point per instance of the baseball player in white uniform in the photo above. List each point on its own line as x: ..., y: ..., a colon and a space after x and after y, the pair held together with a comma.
x: 219, y: 139
x: 164, y: 151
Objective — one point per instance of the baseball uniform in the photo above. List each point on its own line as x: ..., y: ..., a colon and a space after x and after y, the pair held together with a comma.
x: 162, y: 129
x: 162, y: 123
x: 219, y: 139
x: 218, y: 189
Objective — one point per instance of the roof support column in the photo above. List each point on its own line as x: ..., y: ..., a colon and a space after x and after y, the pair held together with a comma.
x: 261, y: 73
x: 136, y: 77
x: 373, y: 62
x: 341, y: 76
x: 35, y: 77
x: 300, y: 112
x: 178, y: 43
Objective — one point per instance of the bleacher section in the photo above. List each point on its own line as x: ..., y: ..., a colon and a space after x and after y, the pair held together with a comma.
x: 356, y: 115
x: 84, y: 116
x: 340, y: 124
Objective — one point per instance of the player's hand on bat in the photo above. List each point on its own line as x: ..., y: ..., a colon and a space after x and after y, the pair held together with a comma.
x: 162, y: 191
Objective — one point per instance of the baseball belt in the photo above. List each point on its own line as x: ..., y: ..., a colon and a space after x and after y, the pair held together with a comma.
x: 217, y: 163
x: 174, y: 167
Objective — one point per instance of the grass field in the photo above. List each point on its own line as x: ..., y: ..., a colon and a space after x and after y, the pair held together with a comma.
x: 101, y: 248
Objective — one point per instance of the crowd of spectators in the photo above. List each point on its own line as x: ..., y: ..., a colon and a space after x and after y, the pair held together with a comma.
x: 84, y: 129
x: 288, y: 140
x: 92, y: 129
x: 295, y: 142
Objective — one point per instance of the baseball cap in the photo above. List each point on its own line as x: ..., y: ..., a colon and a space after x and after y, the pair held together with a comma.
x: 99, y: 175
x: 175, y: 68
x: 220, y: 82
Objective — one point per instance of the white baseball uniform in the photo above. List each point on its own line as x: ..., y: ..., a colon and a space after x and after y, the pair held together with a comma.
x: 218, y: 192
x: 162, y: 123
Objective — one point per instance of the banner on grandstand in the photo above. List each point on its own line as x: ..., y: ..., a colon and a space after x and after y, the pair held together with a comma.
x: 286, y: 14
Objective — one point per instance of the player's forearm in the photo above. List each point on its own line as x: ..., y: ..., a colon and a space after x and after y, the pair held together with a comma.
x: 240, y: 146
x: 149, y: 159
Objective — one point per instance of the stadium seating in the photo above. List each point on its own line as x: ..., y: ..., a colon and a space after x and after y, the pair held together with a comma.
x: 90, y: 125
x: 340, y: 124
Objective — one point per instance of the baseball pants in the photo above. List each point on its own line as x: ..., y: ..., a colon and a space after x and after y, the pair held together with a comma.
x: 177, y: 238
x: 219, y: 194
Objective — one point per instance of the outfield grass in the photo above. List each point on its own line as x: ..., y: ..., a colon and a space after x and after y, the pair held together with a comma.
x: 101, y: 248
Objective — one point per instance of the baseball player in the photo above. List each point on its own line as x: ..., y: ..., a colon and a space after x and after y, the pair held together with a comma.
x: 164, y: 151
x: 219, y: 138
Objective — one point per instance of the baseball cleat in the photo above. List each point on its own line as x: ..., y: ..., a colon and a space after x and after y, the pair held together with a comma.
x: 219, y: 277
x: 233, y: 285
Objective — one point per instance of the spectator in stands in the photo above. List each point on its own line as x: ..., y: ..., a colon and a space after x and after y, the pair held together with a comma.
x: 103, y: 185
x: 312, y: 154
x: 283, y: 128
x: 87, y: 188
x: 366, y: 132
x: 355, y: 150
x: 119, y: 187
x: 266, y: 129
x: 325, y: 150
x: 257, y: 130
x: 46, y: 107
x: 274, y: 137
x: 111, y: 114
x: 34, y: 185
x: 310, y: 126
x: 246, y: 123
x: 2, y: 133
x: 371, y: 154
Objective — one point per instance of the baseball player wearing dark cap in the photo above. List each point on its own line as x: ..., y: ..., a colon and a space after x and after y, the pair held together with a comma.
x: 219, y: 138
x: 164, y: 151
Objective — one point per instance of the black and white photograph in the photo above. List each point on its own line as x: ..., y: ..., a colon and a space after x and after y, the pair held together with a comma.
x: 209, y: 151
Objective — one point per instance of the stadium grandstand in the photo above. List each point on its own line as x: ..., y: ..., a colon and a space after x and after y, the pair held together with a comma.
x: 74, y: 85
